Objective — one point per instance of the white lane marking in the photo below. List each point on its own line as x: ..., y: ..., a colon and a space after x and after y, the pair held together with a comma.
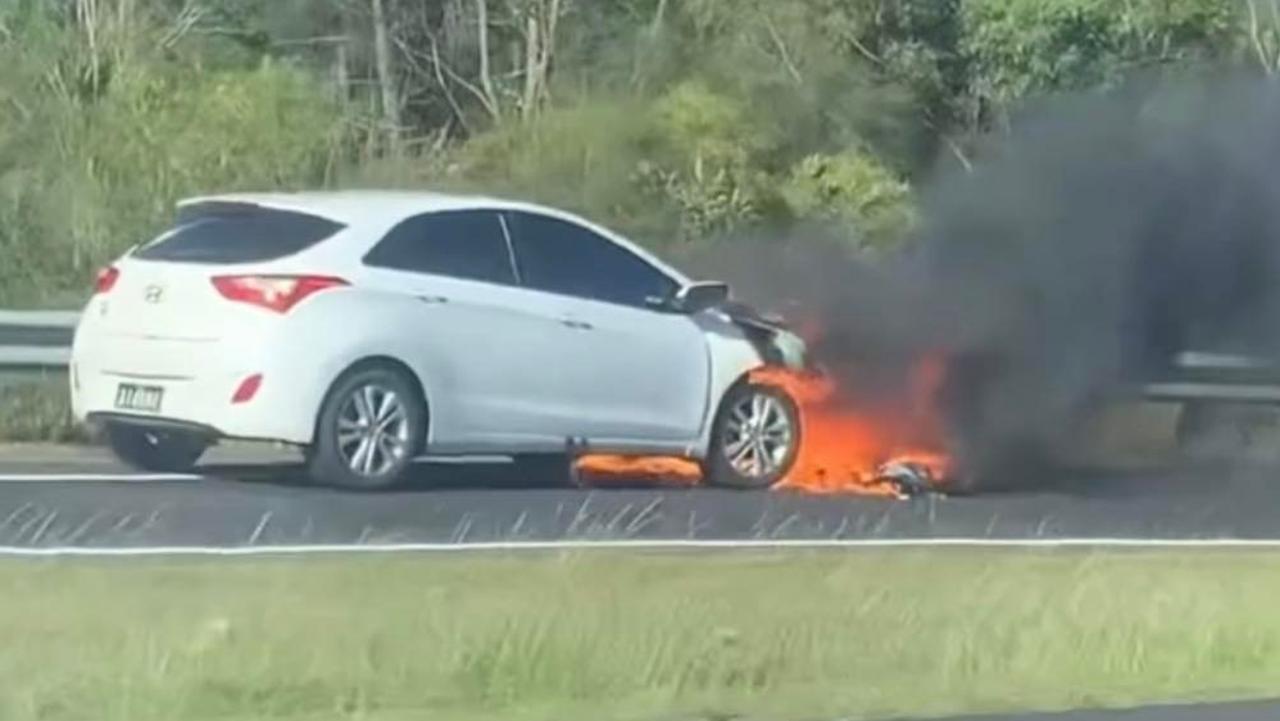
x: 641, y: 545
x: 126, y: 477
x: 96, y: 477
x: 463, y: 460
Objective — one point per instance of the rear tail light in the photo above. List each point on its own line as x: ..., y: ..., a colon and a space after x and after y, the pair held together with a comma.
x: 106, y: 280
x: 274, y: 292
x: 247, y: 389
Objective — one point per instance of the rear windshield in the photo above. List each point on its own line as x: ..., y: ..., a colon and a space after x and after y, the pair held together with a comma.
x: 237, y: 233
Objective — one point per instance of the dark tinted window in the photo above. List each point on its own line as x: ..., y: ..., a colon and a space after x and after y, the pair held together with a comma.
x: 461, y: 244
x: 565, y: 258
x: 220, y: 233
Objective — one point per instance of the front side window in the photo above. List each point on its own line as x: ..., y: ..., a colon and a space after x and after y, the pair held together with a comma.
x: 565, y: 258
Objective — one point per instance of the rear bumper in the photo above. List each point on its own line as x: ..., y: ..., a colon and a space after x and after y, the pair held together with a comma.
x: 198, y: 383
x: 156, y: 422
x: 201, y: 407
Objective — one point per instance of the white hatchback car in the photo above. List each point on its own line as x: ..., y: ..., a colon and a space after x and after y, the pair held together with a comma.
x: 373, y: 328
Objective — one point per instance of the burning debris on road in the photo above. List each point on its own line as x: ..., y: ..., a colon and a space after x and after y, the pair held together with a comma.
x: 601, y: 469
x: 886, y: 448
x: 909, y: 478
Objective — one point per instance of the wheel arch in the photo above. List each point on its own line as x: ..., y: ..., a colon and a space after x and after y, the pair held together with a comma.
x: 372, y: 362
x: 742, y: 384
x: 721, y: 388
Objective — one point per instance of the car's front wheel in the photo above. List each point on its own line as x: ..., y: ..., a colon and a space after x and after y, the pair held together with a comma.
x: 755, y: 439
x: 371, y: 427
x: 150, y: 449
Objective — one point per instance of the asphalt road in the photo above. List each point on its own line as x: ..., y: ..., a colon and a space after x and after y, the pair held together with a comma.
x: 238, y: 503
x: 68, y: 497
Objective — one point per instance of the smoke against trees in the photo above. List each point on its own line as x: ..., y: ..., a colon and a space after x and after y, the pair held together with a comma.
x: 1102, y: 234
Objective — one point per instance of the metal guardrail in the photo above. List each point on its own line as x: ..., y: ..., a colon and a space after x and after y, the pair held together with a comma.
x: 36, y: 340
x: 1217, y: 377
x: 40, y: 340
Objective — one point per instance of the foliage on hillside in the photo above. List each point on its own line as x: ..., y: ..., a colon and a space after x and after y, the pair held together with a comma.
x: 675, y: 122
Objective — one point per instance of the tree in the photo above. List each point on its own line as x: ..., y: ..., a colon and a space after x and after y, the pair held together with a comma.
x: 388, y: 88
x: 1263, y: 23
x: 1022, y: 48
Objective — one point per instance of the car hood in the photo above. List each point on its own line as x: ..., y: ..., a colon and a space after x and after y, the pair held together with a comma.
x: 780, y: 345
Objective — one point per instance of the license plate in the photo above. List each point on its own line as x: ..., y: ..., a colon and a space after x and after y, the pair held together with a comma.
x: 139, y: 398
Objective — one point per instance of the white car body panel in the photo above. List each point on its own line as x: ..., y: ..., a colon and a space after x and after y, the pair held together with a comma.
x: 630, y: 373
x: 504, y: 369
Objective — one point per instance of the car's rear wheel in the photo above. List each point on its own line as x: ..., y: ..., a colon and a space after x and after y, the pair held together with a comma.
x: 371, y: 427
x: 149, y: 449
x: 755, y: 439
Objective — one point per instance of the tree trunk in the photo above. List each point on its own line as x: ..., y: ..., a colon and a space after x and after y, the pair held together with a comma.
x: 386, y: 76
x: 1268, y: 57
x: 549, y: 44
x: 341, y: 73
x: 486, y: 74
x: 342, y: 56
x: 540, y: 39
x: 531, y: 63
x: 659, y: 15
x: 87, y: 15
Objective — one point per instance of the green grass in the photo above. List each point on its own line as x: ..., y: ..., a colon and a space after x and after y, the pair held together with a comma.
x: 38, y: 411
x: 633, y: 636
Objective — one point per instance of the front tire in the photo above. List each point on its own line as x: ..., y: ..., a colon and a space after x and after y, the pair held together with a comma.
x: 371, y: 427
x: 161, y: 451
x: 755, y: 439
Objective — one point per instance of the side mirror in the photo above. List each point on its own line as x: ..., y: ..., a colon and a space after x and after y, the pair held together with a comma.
x: 697, y: 297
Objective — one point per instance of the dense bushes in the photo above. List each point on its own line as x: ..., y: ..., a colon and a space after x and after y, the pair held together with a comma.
x: 674, y: 122
x: 86, y: 171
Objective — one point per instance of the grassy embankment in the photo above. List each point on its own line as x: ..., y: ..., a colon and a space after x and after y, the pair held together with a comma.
x: 657, y: 636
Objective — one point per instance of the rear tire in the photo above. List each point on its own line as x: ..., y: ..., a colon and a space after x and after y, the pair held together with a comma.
x: 150, y: 449
x: 755, y: 439
x: 371, y: 427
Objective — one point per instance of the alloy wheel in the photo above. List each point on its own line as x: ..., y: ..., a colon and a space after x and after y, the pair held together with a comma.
x: 758, y: 436
x: 373, y: 430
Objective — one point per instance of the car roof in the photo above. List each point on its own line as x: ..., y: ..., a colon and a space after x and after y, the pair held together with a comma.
x: 356, y: 207
x: 352, y: 206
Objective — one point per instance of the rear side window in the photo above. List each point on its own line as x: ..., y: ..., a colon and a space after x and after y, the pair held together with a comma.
x: 468, y: 244
x: 225, y: 233
x: 560, y: 257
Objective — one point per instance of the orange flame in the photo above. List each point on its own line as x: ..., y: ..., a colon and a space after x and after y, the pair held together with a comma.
x: 843, y: 445
x: 663, y: 470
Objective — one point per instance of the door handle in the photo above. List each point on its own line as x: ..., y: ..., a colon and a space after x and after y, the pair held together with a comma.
x: 433, y: 299
x: 576, y: 324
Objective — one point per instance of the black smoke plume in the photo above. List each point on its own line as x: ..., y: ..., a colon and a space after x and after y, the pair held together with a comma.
x: 1096, y: 237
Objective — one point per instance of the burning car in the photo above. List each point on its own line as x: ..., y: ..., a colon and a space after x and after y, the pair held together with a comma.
x: 373, y: 328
